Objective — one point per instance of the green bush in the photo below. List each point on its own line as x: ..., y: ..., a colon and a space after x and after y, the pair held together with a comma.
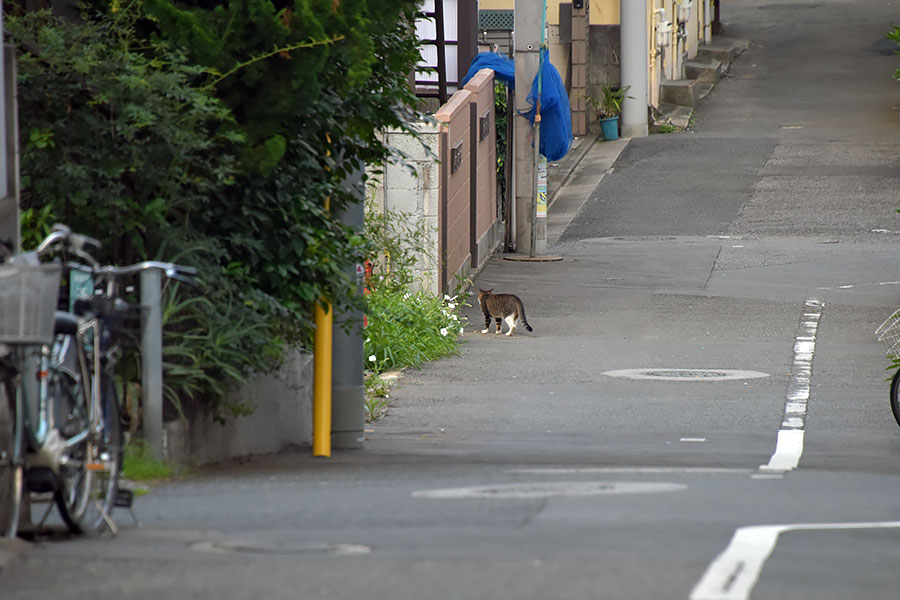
x: 406, y: 329
x: 215, y: 135
x: 406, y: 326
x: 894, y: 34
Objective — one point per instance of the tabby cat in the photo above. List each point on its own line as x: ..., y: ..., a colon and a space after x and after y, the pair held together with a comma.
x: 506, y: 307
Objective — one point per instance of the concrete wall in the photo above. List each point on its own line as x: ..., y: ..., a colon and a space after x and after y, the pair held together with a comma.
x: 282, y: 418
x: 411, y: 188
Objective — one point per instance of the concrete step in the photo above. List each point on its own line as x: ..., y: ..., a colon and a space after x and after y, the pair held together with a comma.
x: 673, y: 114
x: 683, y: 92
x: 719, y: 52
x: 707, y: 71
x: 722, y: 49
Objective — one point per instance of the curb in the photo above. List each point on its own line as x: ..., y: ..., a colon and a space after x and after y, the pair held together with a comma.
x: 584, y: 146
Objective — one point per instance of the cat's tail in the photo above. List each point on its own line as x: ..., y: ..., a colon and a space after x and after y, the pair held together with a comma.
x: 524, y: 320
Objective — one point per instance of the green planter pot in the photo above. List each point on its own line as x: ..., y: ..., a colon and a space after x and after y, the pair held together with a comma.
x: 610, y: 128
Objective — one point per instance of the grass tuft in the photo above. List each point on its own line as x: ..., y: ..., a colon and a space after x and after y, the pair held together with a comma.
x: 139, y: 465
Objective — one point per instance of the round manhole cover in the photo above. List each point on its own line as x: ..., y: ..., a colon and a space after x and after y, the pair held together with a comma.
x: 548, y: 489
x: 686, y: 374
x: 281, y: 547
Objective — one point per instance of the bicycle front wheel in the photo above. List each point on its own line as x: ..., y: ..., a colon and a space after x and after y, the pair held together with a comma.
x: 895, y: 396
x: 10, y: 465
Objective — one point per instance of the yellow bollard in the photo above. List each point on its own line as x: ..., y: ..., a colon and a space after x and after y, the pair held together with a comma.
x: 322, y: 380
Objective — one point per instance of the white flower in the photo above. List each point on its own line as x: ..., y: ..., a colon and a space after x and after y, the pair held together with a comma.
x: 461, y: 330
x: 448, y: 298
x: 371, y: 358
x: 443, y: 331
x: 406, y: 296
x: 367, y: 341
x: 451, y: 306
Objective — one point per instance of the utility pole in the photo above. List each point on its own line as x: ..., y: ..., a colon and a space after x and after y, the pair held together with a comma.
x: 348, y: 391
x: 633, y: 32
x: 528, y: 24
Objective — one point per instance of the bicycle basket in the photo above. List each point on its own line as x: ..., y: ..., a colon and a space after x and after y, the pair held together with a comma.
x: 889, y: 334
x: 28, y: 296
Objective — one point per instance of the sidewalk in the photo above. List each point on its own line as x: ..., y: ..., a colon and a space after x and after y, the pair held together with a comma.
x: 572, y: 180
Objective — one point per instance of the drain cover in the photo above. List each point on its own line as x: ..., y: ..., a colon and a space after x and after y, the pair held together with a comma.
x: 548, y: 489
x: 686, y: 374
x: 281, y: 547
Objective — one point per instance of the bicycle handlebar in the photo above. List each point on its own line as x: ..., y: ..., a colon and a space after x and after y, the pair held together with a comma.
x: 171, y: 270
x: 78, y: 244
x: 75, y: 242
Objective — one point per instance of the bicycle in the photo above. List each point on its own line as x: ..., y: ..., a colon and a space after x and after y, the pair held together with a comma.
x: 889, y: 334
x: 66, y: 428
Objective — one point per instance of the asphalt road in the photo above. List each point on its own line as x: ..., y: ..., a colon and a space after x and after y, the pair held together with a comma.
x: 740, y: 267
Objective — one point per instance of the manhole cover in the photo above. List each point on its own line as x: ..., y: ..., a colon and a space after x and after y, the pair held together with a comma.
x: 686, y: 374
x: 548, y: 489
x: 281, y: 547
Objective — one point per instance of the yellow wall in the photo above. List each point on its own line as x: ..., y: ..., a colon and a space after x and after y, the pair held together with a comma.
x: 604, y: 12
x: 496, y: 4
x: 553, y: 12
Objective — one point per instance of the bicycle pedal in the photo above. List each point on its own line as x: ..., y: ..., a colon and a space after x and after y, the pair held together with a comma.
x: 124, y: 498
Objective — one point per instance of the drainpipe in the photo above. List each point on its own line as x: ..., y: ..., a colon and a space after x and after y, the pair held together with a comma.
x: 707, y: 22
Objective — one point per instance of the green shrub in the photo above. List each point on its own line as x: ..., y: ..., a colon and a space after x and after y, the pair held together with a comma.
x: 214, y: 135
x: 406, y: 326
x: 406, y: 329
x: 894, y: 34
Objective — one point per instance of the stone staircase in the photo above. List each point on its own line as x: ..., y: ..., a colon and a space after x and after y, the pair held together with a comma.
x: 679, y: 97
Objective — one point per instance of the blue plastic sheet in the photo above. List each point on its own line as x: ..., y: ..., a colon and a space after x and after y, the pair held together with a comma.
x: 503, y: 66
x: 556, y: 116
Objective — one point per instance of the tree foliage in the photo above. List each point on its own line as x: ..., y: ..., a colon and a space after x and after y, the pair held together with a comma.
x: 225, y: 135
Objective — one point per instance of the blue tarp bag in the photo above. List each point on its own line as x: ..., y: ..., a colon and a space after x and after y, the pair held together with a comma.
x: 556, y: 116
x: 504, y: 68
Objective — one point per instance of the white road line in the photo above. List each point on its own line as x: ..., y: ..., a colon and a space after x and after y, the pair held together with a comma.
x: 636, y: 470
x: 552, y: 489
x: 789, y: 445
x: 734, y: 572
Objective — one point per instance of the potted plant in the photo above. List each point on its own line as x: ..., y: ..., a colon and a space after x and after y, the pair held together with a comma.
x: 608, y: 108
